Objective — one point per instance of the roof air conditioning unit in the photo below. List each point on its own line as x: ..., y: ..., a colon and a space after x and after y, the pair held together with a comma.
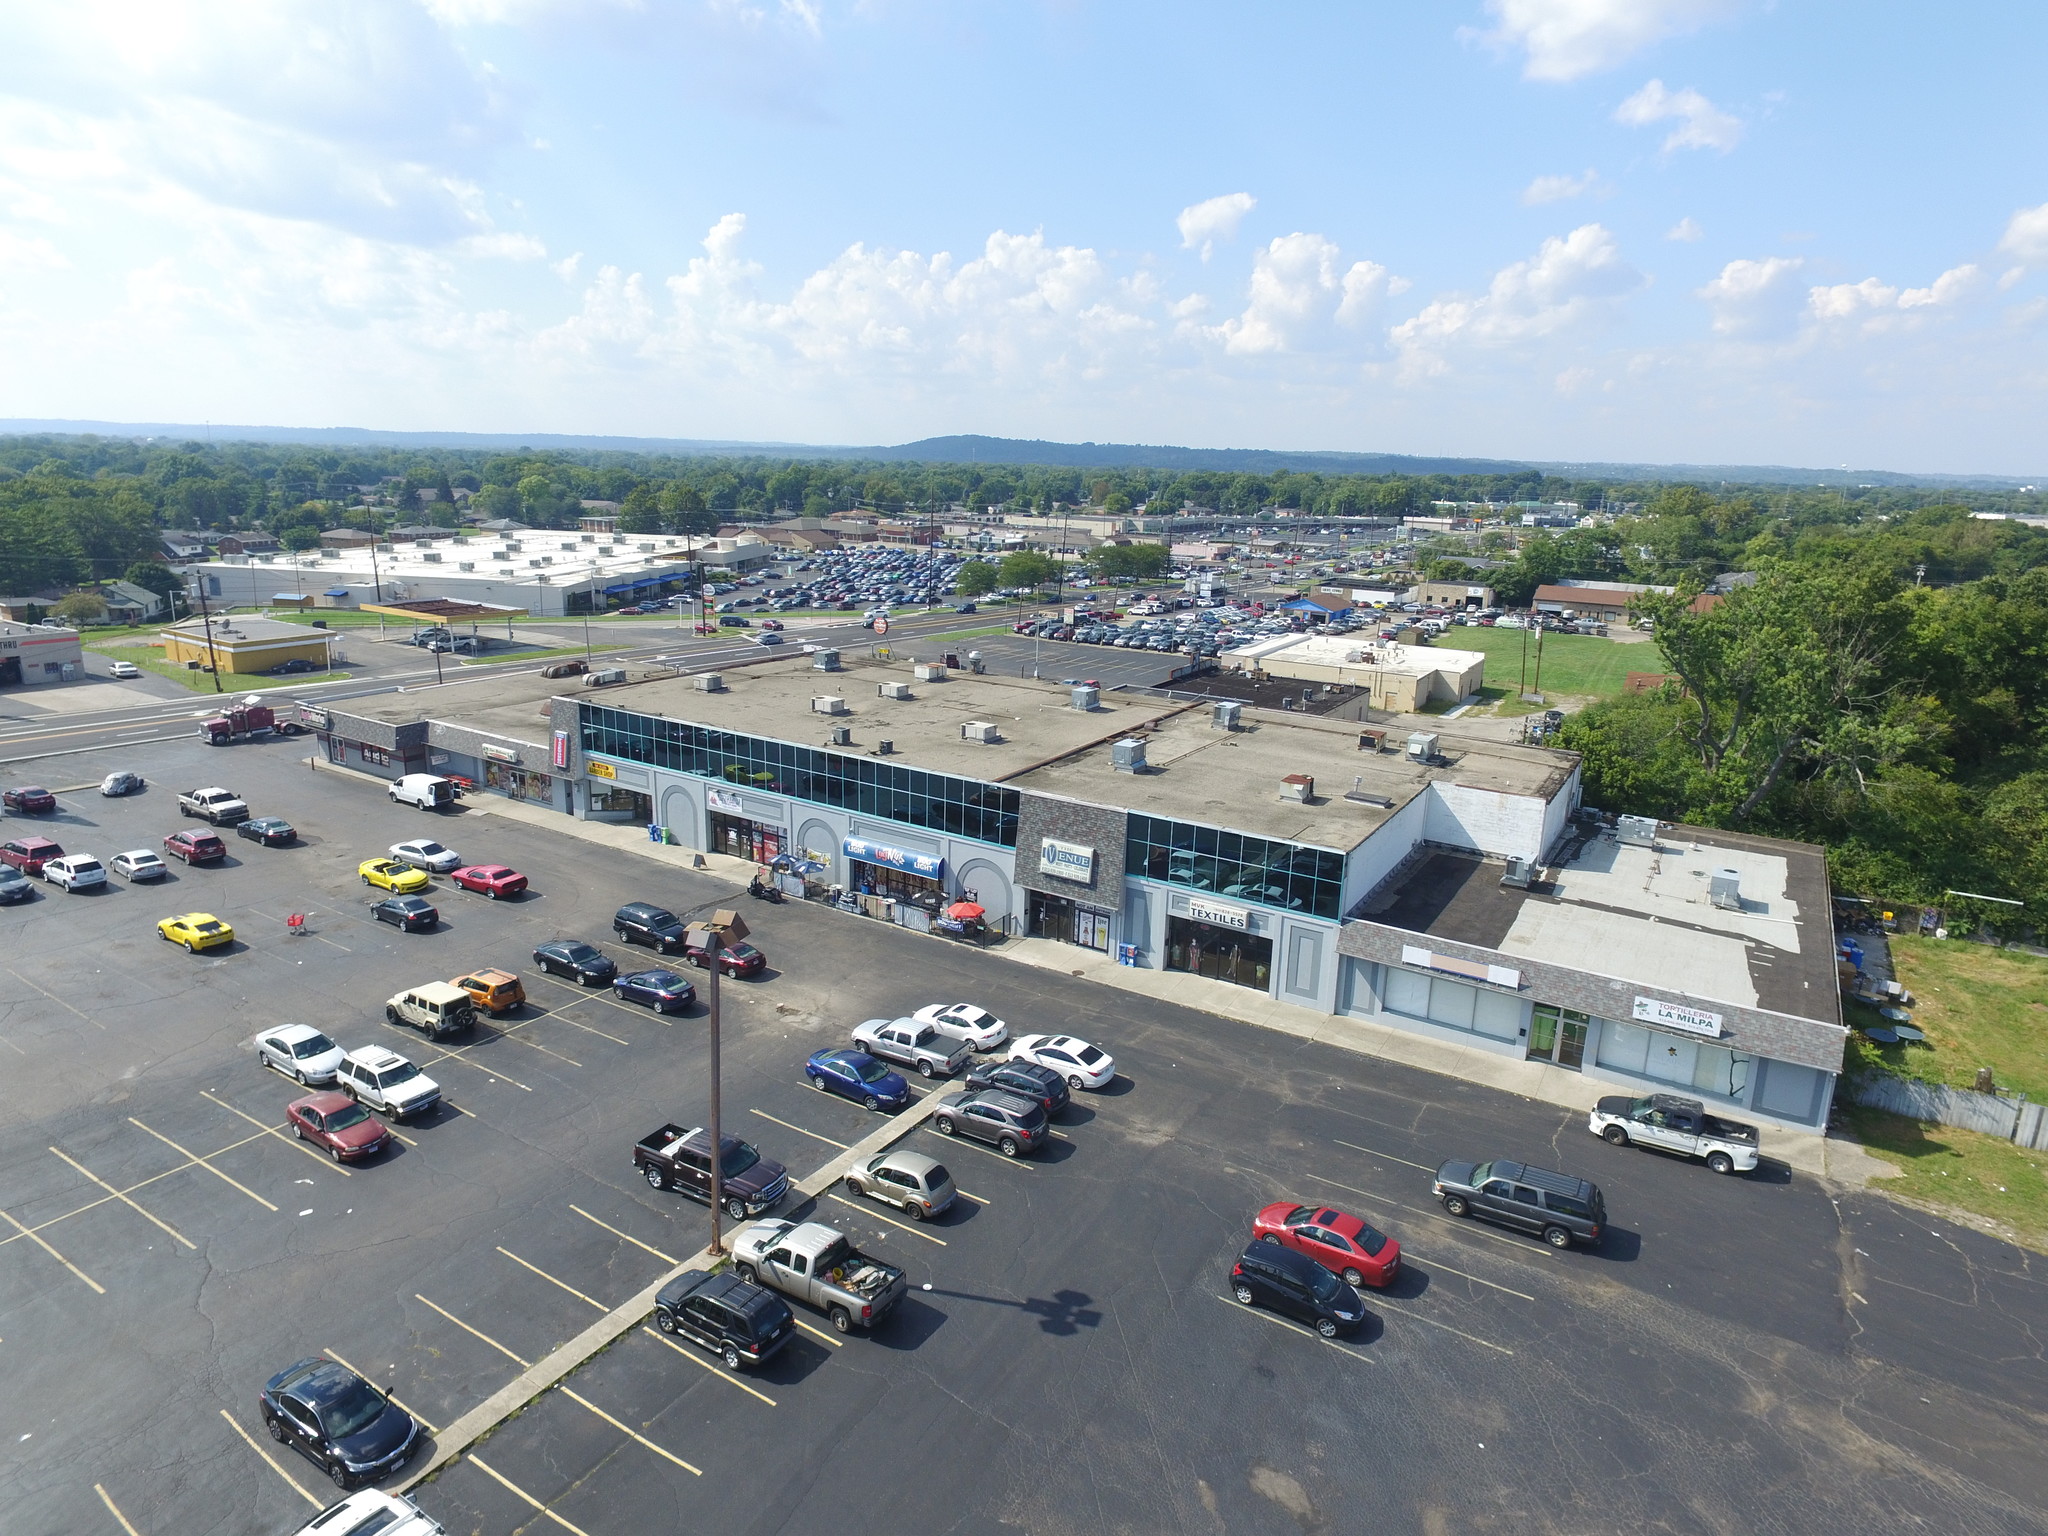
x: 893, y: 690
x: 826, y: 661
x: 588, y: 538
x: 1422, y: 746
x: 432, y: 554
x: 829, y: 704
x: 1085, y: 699
x: 604, y: 549
x: 1520, y: 872
x: 547, y: 559
x: 884, y: 747
x: 1637, y: 831
x: 983, y: 731
x: 506, y: 570
x: 840, y: 736
x: 928, y: 672
x: 1227, y: 715
x: 710, y: 682
x: 1298, y: 786
x: 513, y: 546
x: 536, y: 564
x: 1128, y: 755
x: 1725, y: 890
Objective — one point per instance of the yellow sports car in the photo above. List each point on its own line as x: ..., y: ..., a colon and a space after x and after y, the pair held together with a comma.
x: 196, y: 931
x: 393, y: 876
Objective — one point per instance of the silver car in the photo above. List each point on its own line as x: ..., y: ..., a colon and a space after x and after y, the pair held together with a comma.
x: 300, y: 1052
x: 138, y: 864
x: 120, y: 783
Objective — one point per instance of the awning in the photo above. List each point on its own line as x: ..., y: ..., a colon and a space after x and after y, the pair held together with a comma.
x: 927, y: 864
x: 634, y: 586
x: 335, y: 592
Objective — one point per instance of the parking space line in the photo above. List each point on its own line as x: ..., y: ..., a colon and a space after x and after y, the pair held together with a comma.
x: 841, y: 1145
x: 53, y: 1253
x: 714, y: 1370
x: 116, y: 1194
x: 584, y: 995
x: 1461, y: 1333
x: 819, y: 1333
x: 296, y: 1485
x: 458, y: 1322
x: 551, y: 1280
x: 53, y: 997
x: 93, y: 1205
x: 479, y: 1463
x: 290, y: 1141
x: 457, y: 1054
x: 553, y: 1013
x: 203, y: 1163
x: 1496, y: 1285
x: 330, y: 1354
x: 627, y: 1236
x: 1281, y: 1322
x: 115, y: 1510
x: 906, y: 1226
x: 1451, y: 1221
x: 965, y: 1196
x: 957, y: 1141
x: 1386, y: 1156
x: 631, y: 1433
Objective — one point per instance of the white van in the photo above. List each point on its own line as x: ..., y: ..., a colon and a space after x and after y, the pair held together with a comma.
x: 428, y: 791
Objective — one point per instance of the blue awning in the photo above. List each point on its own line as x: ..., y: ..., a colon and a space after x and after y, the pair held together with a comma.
x: 927, y: 864
x: 335, y: 592
x: 1303, y: 605
x: 287, y: 597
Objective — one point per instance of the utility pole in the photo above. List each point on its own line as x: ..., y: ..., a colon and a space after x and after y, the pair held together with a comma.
x: 206, y: 623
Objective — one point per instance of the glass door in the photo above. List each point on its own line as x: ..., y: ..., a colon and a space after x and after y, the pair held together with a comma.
x: 1543, y: 1035
x: 1557, y: 1034
x: 1571, y: 1040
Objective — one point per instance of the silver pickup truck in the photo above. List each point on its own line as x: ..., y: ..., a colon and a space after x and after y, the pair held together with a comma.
x: 913, y: 1043
x: 1672, y: 1124
x: 815, y: 1263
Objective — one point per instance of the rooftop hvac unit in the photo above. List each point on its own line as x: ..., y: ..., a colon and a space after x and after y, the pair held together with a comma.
x: 587, y: 538
x: 506, y: 570
x: 1085, y: 698
x: 431, y: 554
x: 1298, y: 786
x: 1128, y: 755
x: 1637, y: 831
x: 928, y: 672
x: 466, y: 565
x: 893, y: 690
x: 884, y: 747
x: 839, y: 736
x: 829, y: 704
x: 1520, y: 872
x: 710, y: 682
x: 513, y: 546
x: 1422, y: 746
x: 536, y: 564
x: 1725, y: 890
x: 983, y: 731
x: 1228, y: 715
x: 547, y: 559
x: 604, y: 549
x: 826, y: 661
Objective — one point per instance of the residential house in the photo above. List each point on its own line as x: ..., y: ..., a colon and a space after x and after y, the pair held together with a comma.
x: 131, y: 603
x: 247, y: 544
x: 347, y: 538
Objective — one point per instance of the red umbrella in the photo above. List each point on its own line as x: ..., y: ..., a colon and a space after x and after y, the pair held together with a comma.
x: 965, y: 911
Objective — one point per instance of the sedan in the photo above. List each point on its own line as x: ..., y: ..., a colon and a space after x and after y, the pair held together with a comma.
x: 411, y: 913
x: 388, y: 874
x: 1349, y: 1248
x: 138, y: 864
x: 75, y: 872
x: 349, y: 1429
x: 120, y: 784
x: 740, y: 959
x: 857, y: 1076
x: 30, y: 800
x: 300, y: 1052
x: 965, y: 1021
x: 270, y: 831
x: 15, y: 886
x: 196, y: 931
x: 575, y: 960
x: 1081, y: 1064
x: 124, y: 669
x: 425, y: 853
x: 496, y: 881
x: 663, y: 991
x: 341, y: 1125
x: 195, y: 847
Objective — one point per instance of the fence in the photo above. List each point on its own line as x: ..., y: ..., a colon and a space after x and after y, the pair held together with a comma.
x: 2015, y: 1119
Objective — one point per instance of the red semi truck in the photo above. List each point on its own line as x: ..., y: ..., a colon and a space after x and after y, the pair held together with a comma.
x: 247, y: 722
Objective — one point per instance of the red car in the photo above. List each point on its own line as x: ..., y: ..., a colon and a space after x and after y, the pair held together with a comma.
x: 1346, y: 1246
x: 29, y: 854
x: 493, y: 880
x: 771, y: 623
x: 30, y: 799
x: 338, y: 1123
x: 734, y: 960
x: 195, y: 847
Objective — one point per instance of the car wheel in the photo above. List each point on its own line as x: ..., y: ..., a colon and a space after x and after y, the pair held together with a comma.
x: 854, y: 1186
x: 301, y: 1076
x: 1243, y: 1293
x: 924, y: 1069
x: 1270, y: 1237
x: 842, y: 1319
x: 665, y: 1320
x: 350, y: 1090
x: 914, y: 1211
x: 189, y: 949
x: 735, y: 1210
x: 655, y: 1176
x: 1326, y: 1327
x: 731, y: 1356
x: 943, y: 1125
x: 335, y: 1153
x: 1009, y: 1146
x: 273, y: 1428
x: 1615, y: 1136
x: 817, y: 1082
x: 390, y: 1014
x: 492, y: 893
x: 1457, y: 1205
x: 1353, y: 1278
x: 298, y: 1130
x: 870, y: 1102
x: 1557, y: 1237
x: 1720, y: 1162
x: 746, y: 1273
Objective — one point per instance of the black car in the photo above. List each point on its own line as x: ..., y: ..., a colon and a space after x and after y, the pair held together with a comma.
x: 576, y: 960
x: 15, y: 886
x: 1026, y: 1079
x: 1555, y: 1206
x: 663, y: 991
x: 1267, y: 1275
x: 296, y: 664
x: 738, y: 1321
x: 641, y: 922
x: 338, y: 1420
x: 412, y: 913
x: 1011, y: 1125
x: 270, y: 831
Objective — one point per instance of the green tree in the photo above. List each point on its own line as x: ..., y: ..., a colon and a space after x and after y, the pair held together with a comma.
x: 81, y: 609
x: 1116, y: 504
x: 298, y: 536
x: 1028, y: 568
x: 640, y: 512
x: 154, y: 576
x: 688, y: 511
x: 1141, y: 562
x: 977, y: 577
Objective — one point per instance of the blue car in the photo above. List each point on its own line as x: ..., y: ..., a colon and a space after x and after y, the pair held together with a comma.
x: 663, y: 991
x: 857, y: 1076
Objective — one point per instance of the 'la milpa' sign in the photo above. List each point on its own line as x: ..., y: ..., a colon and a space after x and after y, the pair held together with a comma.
x: 1694, y: 1021
x: 1066, y: 861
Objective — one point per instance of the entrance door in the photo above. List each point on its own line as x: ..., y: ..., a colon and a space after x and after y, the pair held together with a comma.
x: 1557, y: 1034
x: 1571, y: 1041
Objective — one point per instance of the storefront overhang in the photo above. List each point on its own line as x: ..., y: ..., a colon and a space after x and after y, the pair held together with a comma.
x: 928, y: 865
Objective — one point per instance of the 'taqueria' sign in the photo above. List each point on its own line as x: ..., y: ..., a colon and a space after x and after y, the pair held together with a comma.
x: 1694, y: 1021
x: 1066, y: 861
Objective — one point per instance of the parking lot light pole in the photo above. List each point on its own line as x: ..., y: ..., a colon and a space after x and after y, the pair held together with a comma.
x: 708, y: 939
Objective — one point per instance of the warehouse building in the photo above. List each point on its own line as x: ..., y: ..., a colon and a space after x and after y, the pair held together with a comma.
x: 33, y: 654
x: 1400, y: 678
x: 243, y: 644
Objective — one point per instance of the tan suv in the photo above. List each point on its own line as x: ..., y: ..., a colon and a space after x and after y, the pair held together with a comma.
x: 435, y: 1009
x: 493, y: 991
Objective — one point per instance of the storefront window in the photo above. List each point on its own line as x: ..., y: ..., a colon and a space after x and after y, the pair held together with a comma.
x: 744, y: 839
x: 1221, y: 954
x: 626, y: 804
x: 1285, y: 875
x: 1453, y: 1004
x: 518, y: 782
x: 1697, y: 1064
x: 901, y: 884
x: 1057, y: 917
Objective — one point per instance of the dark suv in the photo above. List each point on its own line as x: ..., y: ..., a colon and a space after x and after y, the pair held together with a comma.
x: 1025, y: 1079
x: 1555, y: 1206
x: 1013, y: 1126
x: 739, y: 1322
x: 641, y: 922
x: 1267, y: 1275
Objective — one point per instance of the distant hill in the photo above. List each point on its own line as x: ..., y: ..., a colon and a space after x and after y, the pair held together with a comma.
x: 1257, y: 461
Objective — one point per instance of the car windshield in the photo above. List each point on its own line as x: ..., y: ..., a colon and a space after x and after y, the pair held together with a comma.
x: 407, y: 1072
x: 352, y: 1410
x: 579, y: 952
x: 738, y: 1158
x: 870, y: 1070
x: 312, y: 1045
x: 664, y: 981
x: 1327, y: 1287
x: 342, y: 1119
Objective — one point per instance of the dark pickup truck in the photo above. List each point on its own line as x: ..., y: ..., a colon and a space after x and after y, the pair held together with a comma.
x: 673, y: 1158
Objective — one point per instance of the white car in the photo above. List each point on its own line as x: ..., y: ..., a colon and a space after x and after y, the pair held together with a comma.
x: 1081, y: 1064
x: 425, y: 853
x: 75, y: 872
x: 300, y: 1051
x: 386, y: 1081
x: 124, y: 669
x: 965, y: 1021
x: 372, y: 1509
x: 123, y: 783
x: 139, y: 864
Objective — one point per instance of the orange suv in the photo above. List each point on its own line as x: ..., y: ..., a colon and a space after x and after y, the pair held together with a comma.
x: 495, y: 992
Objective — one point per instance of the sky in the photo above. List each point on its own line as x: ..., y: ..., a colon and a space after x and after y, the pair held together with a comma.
x: 1808, y: 232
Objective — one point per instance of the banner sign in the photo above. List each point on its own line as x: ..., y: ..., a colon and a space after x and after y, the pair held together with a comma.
x: 927, y: 864
x: 1218, y: 914
x: 602, y: 770
x: 498, y: 754
x: 1472, y: 970
x: 1694, y: 1021
x: 561, y: 749
x: 1066, y: 861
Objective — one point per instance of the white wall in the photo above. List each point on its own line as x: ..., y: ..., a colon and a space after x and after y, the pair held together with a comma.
x: 1374, y: 859
x: 1463, y: 816
x: 1559, y: 811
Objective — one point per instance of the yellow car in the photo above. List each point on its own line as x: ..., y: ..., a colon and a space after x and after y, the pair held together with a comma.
x: 196, y: 931
x: 393, y: 876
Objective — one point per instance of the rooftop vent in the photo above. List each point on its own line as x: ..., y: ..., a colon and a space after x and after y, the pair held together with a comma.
x: 983, y: 731
x: 1298, y: 786
x: 1422, y: 746
x: 1128, y: 755
x: 840, y: 736
x: 928, y: 672
x: 1637, y: 831
x: 1085, y: 698
x: 1372, y: 741
x: 1227, y: 716
x: 828, y: 704
x: 1725, y: 890
x: 1358, y: 793
x: 710, y: 682
x: 826, y: 661
x: 1520, y: 872
x: 893, y: 690
x: 466, y: 565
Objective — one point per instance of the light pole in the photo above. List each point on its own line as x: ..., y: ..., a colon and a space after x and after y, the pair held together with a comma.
x: 708, y: 940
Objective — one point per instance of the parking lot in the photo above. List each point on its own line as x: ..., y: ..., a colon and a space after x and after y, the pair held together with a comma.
x: 1740, y: 1354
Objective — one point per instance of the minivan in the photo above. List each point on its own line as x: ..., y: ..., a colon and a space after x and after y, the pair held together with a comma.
x: 1281, y: 1280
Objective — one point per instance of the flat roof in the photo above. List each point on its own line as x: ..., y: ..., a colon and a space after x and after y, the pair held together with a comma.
x: 571, y: 557
x: 228, y: 629
x: 1366, y: 654
x: 1644, y: 915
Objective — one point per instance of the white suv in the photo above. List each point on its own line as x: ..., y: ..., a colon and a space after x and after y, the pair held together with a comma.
x: 386, y: 1081
x: 372, y: 1509
x: 75, y: 872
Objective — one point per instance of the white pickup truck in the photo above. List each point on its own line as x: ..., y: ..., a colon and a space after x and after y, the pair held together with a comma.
x: 222, y: 807
x: 1672, y: 1124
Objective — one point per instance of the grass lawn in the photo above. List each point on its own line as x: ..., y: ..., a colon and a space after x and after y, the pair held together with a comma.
x: 1949, y: 1167
x: 1980, y: 1007
x: 1574, y: 666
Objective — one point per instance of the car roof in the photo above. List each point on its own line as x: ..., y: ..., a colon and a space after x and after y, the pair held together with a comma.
x: 1542, y: 1178
x: 1299, y: 1264
x: 1002, y: 1100
x: 377, y: 1058
x: 326, y: 1101
x: 283, y: 1031
x: 644, y: 909
x: 908, y: 1162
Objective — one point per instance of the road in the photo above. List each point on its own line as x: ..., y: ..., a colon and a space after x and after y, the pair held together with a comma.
x: 1742, y: 1354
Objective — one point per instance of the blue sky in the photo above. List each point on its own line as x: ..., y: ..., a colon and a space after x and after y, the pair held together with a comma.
x: 1701, y: 230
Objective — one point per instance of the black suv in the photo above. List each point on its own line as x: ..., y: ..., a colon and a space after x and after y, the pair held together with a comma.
x: 641, y: 922
x: 739, y: 1322
x: 1026, y: 1079
x: 328, y: 1412
x: 1554, y: 1205
x: 1267, y: 1275
x: 1013, y: 1126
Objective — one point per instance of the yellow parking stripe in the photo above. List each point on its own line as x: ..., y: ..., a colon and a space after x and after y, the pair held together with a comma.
x: 330, y: 1354
x: 458, y: 1322
x: 1387, y: 1156
x: 626, y: 1236
x: 841, y: 1145
x: 479, y: 1463
x: 551, y: 1280
x: 116, y: 1194
x: 93, y: 1205
x: 290, y: 1141
x: 53, y: 1253
x: 714, y: 1370
x: 906, y: 1226
x: 115, y: 1510
x: 256, y: 1446
x: 631, y: 1433
x: 820, y: 1333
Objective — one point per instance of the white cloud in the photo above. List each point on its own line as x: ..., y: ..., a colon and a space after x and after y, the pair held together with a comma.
x: 1877, y: 304
x: 1701, y: 124
x: 1751, y: 298
x: 2026, y: 237
x: 1203, y: 224
x: 1559, y: 189
x: 1686, y: 229
x: 1568, y: 39
x: 1298, y: 287
x: 1572, y: 281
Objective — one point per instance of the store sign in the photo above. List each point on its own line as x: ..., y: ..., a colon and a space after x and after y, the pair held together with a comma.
x: 1217, y: 913
x: 1694, y: 1021
x: 561, y: 749
x: 602, y: 770
x: 1471, y: 970
x: 927, y: 864
x: 724, y: 800
x: 319, y: 719
x: 498, y: 754
x: 1066, y: 861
